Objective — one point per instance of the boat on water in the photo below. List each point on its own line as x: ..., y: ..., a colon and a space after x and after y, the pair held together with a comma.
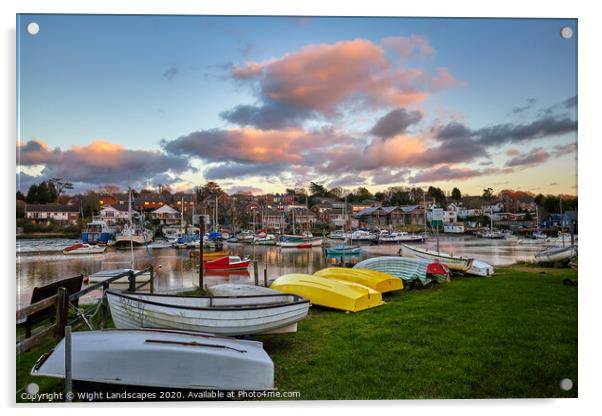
x: 363, y: 235
x: 157, y: 358
x: 299, y: 241
x: 336, y: 294
x: 480, y: 268
x: 132, y: 234
x: 457, y: 263
x: 343, y: 250
x: 83, y: 248
x: 491, y: 234
x: 263, y: 239
x: 339, y: 235
x: 97, y: 232
x: 408, y: 269
x: 556, y: 254
x: 399, y: 237
x: 223, y: 315
x: 208, y: 254
x: 227, y: 263
x: 374, y: 279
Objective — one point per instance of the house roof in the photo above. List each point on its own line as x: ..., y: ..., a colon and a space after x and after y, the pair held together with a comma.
x: 166, y: 209
x: 117, y: 206
x: 50, y: 208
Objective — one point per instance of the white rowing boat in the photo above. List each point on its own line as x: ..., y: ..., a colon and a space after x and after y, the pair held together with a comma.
x: 480, y: 268
x: 223, y: 315
x: 555, y: 254
x: 164, y: 359
x: 457, y: 263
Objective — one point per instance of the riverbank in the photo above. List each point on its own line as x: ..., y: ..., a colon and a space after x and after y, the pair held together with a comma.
x: 512, y: 335
x: 31, y: 236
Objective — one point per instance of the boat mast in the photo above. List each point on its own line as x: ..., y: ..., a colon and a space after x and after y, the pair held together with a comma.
x: 561, y: 222
x: 131, y: 228
x: 182, y: 214
x: 424, y: 203
x: 294, y: 232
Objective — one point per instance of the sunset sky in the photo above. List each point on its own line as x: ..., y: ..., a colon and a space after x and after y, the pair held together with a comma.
x: 266, y: 103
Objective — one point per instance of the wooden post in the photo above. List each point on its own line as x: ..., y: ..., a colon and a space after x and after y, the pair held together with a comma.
x: 132, y: 281
x: 152, y: 279
x: 105, y: 306
x: 265, y: 277
x: 68, y: 373
x: 255, y: 272
x: 61, y: 312
x: 201, y: 248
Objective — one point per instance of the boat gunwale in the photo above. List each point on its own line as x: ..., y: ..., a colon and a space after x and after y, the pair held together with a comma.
x: 299, y: 300
x: 433, y: 254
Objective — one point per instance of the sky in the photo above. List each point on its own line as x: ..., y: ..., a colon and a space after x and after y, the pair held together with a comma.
x: 261, y: 104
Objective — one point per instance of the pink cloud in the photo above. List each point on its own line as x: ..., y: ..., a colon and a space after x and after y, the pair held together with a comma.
x: 408, y: 47
x: 325, y: 77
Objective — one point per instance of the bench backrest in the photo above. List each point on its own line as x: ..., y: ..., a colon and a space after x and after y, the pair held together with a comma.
x: 71, y: 284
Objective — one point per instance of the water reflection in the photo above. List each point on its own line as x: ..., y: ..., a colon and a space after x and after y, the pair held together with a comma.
x: 175, y: 270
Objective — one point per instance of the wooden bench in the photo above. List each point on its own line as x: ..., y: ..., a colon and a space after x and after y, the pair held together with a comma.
x: 71, y: 284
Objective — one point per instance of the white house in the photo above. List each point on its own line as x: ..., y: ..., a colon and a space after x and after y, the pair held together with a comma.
x: 114, y: 214
x: 453, y: 228
x: 450, y: 217
x: 497, y: 207
x: 166, y: 215
x: 44, y: 213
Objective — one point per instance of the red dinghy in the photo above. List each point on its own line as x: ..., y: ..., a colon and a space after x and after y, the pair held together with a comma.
x: 227, y: 263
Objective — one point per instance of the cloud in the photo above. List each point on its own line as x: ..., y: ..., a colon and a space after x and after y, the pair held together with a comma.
x: 269, y: 115
x: 564, y: 149
x: 171, y: 73
x: 252, y: 146
x: 325, y: 79
x: 246, y: 190
x: 347, y: 180
x: 395, y: 122
x: 447, y: 173
x: 238, y: 170
x: 521, y: 109
x: 408, y: 47
x: 533, y: 158
x: 512, y: 152
x: 516, y: 133
x: 101, y: 162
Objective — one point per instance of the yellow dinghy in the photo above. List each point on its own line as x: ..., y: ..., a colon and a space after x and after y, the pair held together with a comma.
x: 209, y: 254
x: 336, y: 294
x: 382, y: 282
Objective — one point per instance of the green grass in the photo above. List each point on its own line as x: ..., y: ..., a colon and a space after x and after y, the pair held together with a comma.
x: 512, y: 335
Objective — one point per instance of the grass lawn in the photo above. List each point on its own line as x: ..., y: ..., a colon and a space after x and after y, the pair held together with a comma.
x: 513, y: 335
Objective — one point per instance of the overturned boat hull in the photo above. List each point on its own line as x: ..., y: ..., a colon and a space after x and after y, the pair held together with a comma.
x: 379, y: 281
x: 167, y: 359
x: 408, y: 269
x: 336, y: 294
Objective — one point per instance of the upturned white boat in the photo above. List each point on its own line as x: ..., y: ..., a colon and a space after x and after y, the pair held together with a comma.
x: 83, y: 248
x: 461, y: 264
x: 228, y: 315
x: 555, y: 254
x: 480, y: 268
x: 163, y: 359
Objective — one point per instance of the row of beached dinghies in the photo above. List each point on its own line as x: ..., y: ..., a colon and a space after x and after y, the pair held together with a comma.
x: 188, y: 342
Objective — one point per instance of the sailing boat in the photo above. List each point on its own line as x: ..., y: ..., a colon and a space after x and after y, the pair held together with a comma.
x: 306, y: 240
x: 344, y: 249
x: 558, y: 254
x: 493, y: 235
x: 131, y: 234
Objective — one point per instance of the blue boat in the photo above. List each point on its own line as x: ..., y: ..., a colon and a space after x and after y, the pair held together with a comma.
x: 343, y: 249
x: 97, y: 232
